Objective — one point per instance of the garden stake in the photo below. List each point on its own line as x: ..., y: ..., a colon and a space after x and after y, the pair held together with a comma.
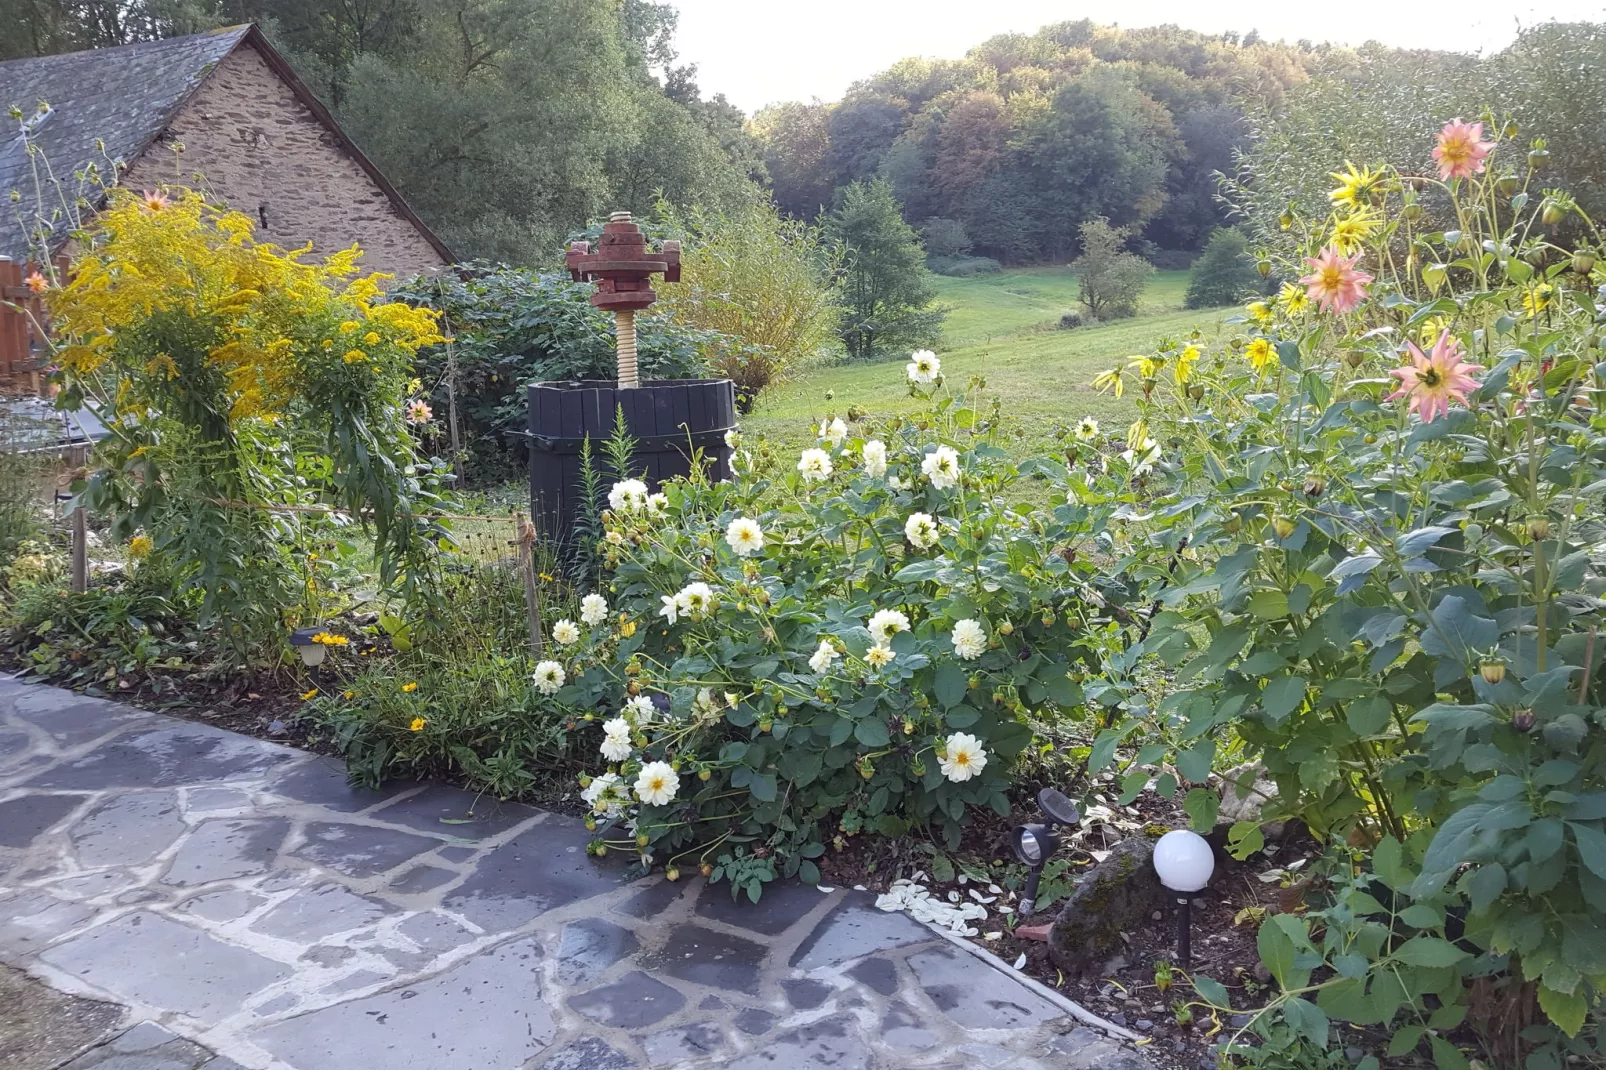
x: 623, y: 267
x: 532, y: 593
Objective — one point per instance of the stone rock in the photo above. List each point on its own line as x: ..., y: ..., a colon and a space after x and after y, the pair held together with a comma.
x: 1114, y: 897
x: 1246, y: 804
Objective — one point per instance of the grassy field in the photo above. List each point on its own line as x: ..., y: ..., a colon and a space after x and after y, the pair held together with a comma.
x: 1002, y: 327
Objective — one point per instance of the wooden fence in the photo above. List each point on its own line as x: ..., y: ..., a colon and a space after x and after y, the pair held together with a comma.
x: 23, y: 351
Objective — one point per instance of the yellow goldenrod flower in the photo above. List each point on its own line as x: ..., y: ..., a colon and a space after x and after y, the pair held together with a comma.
x: 410, y: 686
x: 349, y: 326
x: 354, y: 356
x: 370, y: 339
x: 417, y: 725
x: 139, y: 546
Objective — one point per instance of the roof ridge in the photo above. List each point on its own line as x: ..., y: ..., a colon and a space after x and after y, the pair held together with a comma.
x: 239, y: 30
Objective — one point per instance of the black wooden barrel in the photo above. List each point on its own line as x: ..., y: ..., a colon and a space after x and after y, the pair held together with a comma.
x: 668, y: 419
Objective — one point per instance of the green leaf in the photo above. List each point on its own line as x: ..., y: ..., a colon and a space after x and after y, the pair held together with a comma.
x: 1405, y: 1040
x: 1429, y: 951
x: 1201, y: 805
x: 950, y: 685
x: 1421, y: 916
x: 1269, y: 605
x: 1447, y: 1056
x: 763, y: 787
x: 1194, y: 763
x: 1244, y: 839
x: 1591, y: 847
x: 1277, y: 952
x: 841, y: 729
x: 1368, y: 716
x: 1282, y: 695
x: 872, y: 732
x: 1212, y: 991
x: 1565, y: 1009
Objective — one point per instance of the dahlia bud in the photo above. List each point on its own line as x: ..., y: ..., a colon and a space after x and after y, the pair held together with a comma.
x: 1434, y: 275
x: 1507, y: 185
x: 1510, y: 129
x: 672, y: 873
x: 1552, y: 212
x: 1584, y: 261
x: 1196, y: 391
x: 866, y: 769
x: 1006, y: 628
x: 706, y: 869
x: 765, y: 725
x: 1232, y: 524
x: 642, y: 839
x: 1355, y: 358
x: 1523, y: 720
x: 704, y: 774
x: 1283, y: 526
x: 591, y: 824
x: 1539, y: 527
x: 1492, y: 669
x: 1314, y: 486
x: 1538, y: 158
x: 1263, y: 266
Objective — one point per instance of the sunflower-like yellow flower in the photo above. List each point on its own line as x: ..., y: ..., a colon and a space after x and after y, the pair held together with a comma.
x: 1260, y: 354
x: 1185, y: 364
x: 1536, y: 300
x: 1292, y: 299
x: 1356, y: 188
x: 417, y: 725
x: 410, y: 686
x: 1351, y: 231
x: 310, y: 695
x: 1110, y: 380
x: 1260, y: 312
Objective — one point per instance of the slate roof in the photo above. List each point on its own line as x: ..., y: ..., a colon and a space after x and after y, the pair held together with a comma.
x: 126, y: 96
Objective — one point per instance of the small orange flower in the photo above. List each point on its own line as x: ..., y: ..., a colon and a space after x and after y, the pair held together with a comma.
x: 37, y: 282
x: 417, y: 725
x: 410, y: 686
x: 310, y: 695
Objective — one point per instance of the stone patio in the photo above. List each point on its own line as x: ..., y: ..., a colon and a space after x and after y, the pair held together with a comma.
x: 244, y: 907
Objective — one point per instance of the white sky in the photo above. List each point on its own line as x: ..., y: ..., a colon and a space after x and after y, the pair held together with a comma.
x: 758, y: 52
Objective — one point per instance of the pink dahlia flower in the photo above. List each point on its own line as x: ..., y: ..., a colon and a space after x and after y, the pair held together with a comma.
x: 1433, y: 379
x: 1334, y: 282
x: 419, y: 412
x: 1461, y: 149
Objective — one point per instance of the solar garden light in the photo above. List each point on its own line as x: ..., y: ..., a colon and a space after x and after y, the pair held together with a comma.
x: 1036, y: 843
x: 312, y: 654
x: 1184, y: 862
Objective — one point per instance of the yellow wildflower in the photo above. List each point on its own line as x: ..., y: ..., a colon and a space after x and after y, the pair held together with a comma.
x: 1537, y: 299
x: 1352, y: 230
x: 417, y: 725
x: 139, y: 546
x: 310, y: 695
x: 1260, y: 354
x: 1260, y: 312
x: 627, y: 629
x: 348, y: 695
x: 370, y: 339
x: 353, y: 356
x: 349, y: 326
x: 410, y: 686
x: 1185, y: 362
x: 1356, y: 188
x: 1292, y: 299
x: 330, y: 639
x: 1431, y: 328
x: 1110, y: 380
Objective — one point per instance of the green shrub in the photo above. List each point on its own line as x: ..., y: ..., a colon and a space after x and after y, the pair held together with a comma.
x: 789, y: 723
x: 1392, y: 605
x: 1224, y: 274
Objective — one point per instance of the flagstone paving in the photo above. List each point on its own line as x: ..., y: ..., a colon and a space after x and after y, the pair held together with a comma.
x: 242, y: 906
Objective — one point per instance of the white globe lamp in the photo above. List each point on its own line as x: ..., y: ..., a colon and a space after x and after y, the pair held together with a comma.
x: 1184, y: 862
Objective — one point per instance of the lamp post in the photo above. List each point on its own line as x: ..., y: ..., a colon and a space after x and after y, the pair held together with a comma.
x: 1184, y: 862
x: 312, y: 652
x: 1035, y: 843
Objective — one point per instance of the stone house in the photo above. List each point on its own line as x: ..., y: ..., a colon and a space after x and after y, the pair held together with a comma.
x: 256, y: 136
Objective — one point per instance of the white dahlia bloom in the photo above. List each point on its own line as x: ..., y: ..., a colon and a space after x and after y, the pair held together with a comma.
x: 815, y: 466
x: 657, y: 783
x: 820, y: 661
x: 923, y: 367
x: 744, y: 536
x: 564, y: 633
x: 921, y: 530
x: 941, y: 466
x: 834, y: 431
x: 616, y: 740
x: 640, y: 710
x: 878, y: 655
x: 970, y: 639
x: 593, y: 609
x: 549, y: 677
x: 962, y: 757
x: 628, y: 496
x: 696, y: 600
x: 875, y: 458
x: 886, y: 623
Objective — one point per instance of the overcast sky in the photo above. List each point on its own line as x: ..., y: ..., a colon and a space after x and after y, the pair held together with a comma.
x: 760, y: 51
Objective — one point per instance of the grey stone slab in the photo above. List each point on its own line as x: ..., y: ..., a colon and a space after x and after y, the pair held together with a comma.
x: 707, y: 957
x: 542, y: 868
x: 277, y: 1005
x: 447, y: 811
x: 323, y: 782
x: 434, y: 932
x: 878, y: 974
x: 780, y: 907
x: 31, y: 920
x: 14, y: 747
x: 23, y: 819
x: 901, y: 1028
x: 805, y: 994
x: 975, y: 995
x: 853, y: 929
x: 223, y: 905
x: 485, y: 1014
x: 421, y: 879
x: 457, y: 853
x: 142, y: 1037
x: 151, y: 959
x: 354, y: 981
x: 174, y: 1055
x: 988, y: 1054
x: 634, y: 1001
x: 587, y: 1053
x: 216, y: 800
x: 71, y: 719
x: 654, y: 900
x: 360, y: 850
x: 220, y: 1063
x: 1084, y: 1049
x: 128, y: 830
x: 166, y: 754
x: 699, y: 1042
x: 225, y: 848
x: 320, y: 911
x: 589, y: 947
x: 831, y: 1042
x: 754, y: 1022
x: 108, y: 882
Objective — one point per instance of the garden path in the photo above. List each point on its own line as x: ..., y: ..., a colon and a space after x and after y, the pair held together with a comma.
x: 245, y: 907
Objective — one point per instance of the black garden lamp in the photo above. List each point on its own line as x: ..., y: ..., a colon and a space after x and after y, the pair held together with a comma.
x: 1184, y: 862
x: 1036, y: 843
x: 312, y: 652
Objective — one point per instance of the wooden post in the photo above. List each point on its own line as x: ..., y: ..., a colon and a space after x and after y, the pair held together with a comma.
x: 80, y: 551
x: 532, y: 591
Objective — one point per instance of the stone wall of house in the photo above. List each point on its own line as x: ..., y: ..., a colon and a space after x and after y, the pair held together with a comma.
x: 261, y: 151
